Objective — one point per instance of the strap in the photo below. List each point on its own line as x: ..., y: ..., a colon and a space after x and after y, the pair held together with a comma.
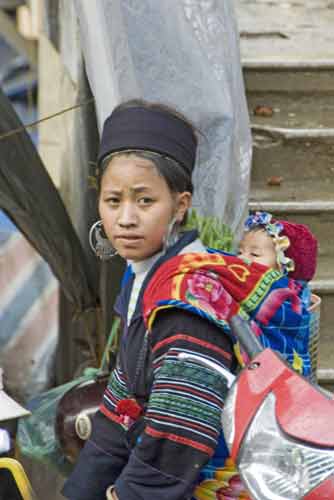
x: 111, y: 344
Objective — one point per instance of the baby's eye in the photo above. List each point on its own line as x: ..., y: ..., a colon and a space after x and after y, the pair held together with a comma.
x: 253, y: 254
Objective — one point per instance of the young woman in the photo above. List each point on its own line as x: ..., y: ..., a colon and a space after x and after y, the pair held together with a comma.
x: 158, y: 432
x: 157, y: 427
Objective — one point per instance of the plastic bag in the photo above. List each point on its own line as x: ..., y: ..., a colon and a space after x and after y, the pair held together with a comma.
x: 184, y: 53
x: 36, y: 437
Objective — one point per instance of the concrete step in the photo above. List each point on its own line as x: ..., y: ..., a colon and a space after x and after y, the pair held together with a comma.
x: 288, y: 63
x: 324, y: 273
x: 325, y: 289
x: 292, y: 109
x: 301, y: 157
x: 304, y: 77
x: 286, y: 32
x: 318, y: 215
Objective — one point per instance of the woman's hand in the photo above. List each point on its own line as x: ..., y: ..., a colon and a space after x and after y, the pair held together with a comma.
x: 111, y: 493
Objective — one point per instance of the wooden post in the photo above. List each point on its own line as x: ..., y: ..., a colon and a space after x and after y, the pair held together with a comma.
x: 29, y: 19
x: 22, y: 46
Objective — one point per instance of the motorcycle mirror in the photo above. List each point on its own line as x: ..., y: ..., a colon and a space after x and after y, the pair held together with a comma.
x: 246, y: 337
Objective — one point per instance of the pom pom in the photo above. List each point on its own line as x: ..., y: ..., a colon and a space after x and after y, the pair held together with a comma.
x: 129, y: 408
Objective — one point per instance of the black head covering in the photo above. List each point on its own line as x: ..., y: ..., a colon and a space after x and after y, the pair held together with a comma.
x: 150, y: 129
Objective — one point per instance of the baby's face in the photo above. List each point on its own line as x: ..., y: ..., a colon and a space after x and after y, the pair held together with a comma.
x: 258, y: 246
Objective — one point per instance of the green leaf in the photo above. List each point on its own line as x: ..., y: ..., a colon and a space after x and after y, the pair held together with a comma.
x: 212, y: 231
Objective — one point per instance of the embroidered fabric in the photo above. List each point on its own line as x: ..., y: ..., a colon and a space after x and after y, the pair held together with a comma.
x: 184, y: 53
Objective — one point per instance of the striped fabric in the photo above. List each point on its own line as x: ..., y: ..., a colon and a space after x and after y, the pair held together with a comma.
x: 114, y: 393
x: 186, y: 399
x: 28, y: 315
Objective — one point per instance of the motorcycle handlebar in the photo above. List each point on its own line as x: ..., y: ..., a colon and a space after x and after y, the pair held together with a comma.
x: 243, y: 332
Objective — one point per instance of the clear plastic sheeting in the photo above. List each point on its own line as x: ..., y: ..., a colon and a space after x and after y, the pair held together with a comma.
x: 36, y: 434
x: 184, y: 53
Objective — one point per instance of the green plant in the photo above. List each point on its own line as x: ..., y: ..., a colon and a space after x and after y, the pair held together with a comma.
x: 212, y: 231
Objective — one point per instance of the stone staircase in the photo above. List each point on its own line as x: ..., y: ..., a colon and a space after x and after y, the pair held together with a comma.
x: 290, y: 94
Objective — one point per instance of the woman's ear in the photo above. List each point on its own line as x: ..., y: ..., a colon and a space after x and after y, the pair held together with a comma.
x: 183, y: 203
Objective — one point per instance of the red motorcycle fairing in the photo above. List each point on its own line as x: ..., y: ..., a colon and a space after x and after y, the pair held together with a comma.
x: 303, y: 421
x: 324, y: 491
x: 304, y: 413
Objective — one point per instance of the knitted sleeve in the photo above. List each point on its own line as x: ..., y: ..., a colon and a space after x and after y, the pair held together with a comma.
x: 183, y: 413
x: 115, y: 392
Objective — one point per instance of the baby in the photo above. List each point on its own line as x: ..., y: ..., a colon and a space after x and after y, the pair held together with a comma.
x: 289, y: 247
x: 292, y: 249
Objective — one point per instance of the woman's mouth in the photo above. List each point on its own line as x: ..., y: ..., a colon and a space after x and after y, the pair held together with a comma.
x: 128, y: 239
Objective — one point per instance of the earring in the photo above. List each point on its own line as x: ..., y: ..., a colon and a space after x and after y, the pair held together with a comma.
x: 172, y: 234
x: 100, y: 245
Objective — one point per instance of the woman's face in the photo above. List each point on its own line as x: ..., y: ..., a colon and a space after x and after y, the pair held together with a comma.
x: 136, y: 206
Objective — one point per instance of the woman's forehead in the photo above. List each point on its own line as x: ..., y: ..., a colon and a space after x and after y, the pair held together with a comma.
x: 131, y: 171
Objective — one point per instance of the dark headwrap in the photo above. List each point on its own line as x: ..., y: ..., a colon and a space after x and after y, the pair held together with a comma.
x: 149, y: 129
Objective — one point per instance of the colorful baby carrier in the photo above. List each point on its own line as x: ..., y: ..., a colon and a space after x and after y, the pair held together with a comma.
x: 216, y: 286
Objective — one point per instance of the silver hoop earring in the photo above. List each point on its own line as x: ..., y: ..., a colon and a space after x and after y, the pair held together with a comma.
x: 100, y: 245
x: 172, y: 234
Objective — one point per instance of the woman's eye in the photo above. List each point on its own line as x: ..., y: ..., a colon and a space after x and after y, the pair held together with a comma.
x: 145, y: 200
x: 112, y: 201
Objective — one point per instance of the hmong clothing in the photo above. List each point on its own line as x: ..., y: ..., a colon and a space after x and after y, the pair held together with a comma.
x: 217, y: 286
x: 176, y: 443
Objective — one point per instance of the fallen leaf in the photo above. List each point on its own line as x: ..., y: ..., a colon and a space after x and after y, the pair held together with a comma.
x: 274, y: 180
x: 266, y: 111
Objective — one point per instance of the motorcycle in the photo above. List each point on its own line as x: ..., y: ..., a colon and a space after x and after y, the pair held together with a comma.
x: 14, y: 483
x: 278, y: 426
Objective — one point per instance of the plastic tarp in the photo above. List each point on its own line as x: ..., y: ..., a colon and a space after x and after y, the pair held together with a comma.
x: 28, y: 315
x: 184, y: 53
x: 30, y: 199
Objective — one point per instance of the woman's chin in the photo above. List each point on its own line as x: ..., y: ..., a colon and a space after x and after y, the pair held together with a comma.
x: 132, y: 254
x: 135, y: 255
x: 137, y: 252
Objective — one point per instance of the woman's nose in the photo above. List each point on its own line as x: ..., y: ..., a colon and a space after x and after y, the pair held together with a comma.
x: 127, y: 215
